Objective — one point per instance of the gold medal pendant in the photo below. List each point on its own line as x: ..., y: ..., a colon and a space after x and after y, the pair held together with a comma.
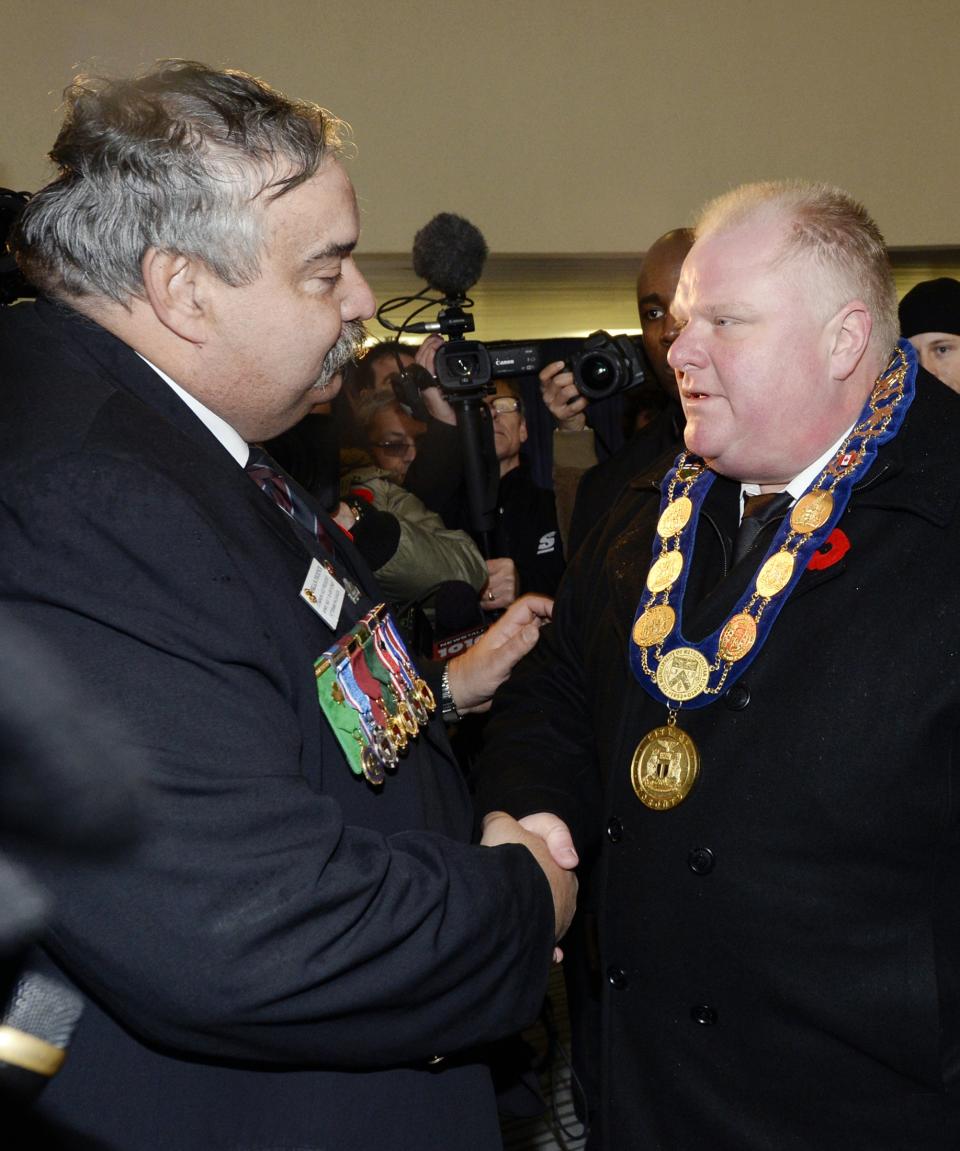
x: 775, y: 574
x: 675, y: 517
x: 664, y: 768
x: 811, y: 511
x: 683, y: 674
x: 738, y: 637
x: 654, y: 625
x: 664, y: 572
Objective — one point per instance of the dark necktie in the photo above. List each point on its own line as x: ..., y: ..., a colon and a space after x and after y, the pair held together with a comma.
x: 758, y: 511
x: 270, y: 478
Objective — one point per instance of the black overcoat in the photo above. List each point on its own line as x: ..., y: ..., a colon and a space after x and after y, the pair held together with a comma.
x: 288, y: 948
x: 780, y: 954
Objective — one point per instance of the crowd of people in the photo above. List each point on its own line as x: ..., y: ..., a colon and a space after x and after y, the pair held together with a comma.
x: 719, y: 772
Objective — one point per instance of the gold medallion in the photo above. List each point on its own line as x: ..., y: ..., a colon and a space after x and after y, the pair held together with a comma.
x: 397, y: 732
x: 683, y: 674
x: 688, y: 472
x: 675, y: 517
x: 372, y: 767
x: 664, y: 768
x: 811, y: 511
x: 654, y: 625
x: 424, y: 694
x: 738, y: 637
x: 775, y: 574
x: 407, y: 718
x: 663, y: 573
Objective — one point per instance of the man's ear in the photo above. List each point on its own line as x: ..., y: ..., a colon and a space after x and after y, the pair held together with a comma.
x: 175, y: 288
x: 849, y: 333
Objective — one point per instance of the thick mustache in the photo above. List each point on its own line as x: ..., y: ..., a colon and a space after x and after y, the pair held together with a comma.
x: 349, y: 344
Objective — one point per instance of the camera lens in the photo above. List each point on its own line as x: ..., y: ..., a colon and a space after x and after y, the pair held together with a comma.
x: 607, y: 365
x: 598, y: 375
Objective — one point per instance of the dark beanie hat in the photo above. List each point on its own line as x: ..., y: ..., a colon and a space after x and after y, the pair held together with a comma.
x: 931, y: 306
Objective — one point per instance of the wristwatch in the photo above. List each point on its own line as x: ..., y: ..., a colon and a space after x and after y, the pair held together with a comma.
x: 448, y: 707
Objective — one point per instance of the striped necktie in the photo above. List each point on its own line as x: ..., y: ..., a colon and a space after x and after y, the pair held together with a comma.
x: 267, y: 474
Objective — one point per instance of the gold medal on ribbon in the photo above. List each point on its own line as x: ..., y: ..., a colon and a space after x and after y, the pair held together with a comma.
x: 675, y: 517
x: 775, y: 574
x: 424, y: 694
x: 654, y: 625
x: 407, y: 718
x: 664, y: 768
x: 372, y: 766
x: 738, y: 637
x: 811, y: 511
x: 664, y: 572
x: 683, y: 674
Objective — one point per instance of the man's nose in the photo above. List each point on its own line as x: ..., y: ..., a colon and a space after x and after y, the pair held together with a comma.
x: 676, y: 349
x: 358, y: 301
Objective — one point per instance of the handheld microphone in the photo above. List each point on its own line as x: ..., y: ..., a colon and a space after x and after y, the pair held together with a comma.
x: 35, y: 1031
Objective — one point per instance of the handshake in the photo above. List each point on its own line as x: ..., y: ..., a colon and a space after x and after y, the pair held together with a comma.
x: 548, y: 839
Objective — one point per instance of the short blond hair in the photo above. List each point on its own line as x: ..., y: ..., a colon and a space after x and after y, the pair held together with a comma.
x: 829, y: 229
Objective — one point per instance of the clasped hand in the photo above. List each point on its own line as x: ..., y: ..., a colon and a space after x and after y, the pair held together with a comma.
x: 548, y: 838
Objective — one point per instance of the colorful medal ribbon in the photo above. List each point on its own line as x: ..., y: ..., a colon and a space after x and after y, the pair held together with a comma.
x: 680, y: 673
x: 372, y: 696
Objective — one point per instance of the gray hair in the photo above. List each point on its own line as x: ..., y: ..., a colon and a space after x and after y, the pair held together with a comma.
x: 832, y: 231
x: 180, y: 159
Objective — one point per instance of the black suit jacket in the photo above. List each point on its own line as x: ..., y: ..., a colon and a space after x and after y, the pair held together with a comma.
x: 288, y: 947
x: 779, y: 954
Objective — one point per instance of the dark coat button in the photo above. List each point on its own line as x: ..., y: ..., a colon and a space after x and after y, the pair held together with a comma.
x: 704, y: 1015
x: 615, y: 830
x: 737, y: 697
x: 617, y: 978
x: 700, y: 860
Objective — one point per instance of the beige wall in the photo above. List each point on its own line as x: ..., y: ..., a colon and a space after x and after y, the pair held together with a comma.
x: 555, y: 126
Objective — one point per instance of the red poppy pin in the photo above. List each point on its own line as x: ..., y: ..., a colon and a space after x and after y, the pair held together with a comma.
x: 830, y: 552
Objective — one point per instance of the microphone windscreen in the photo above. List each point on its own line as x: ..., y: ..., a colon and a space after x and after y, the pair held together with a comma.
x: 44, y: 1007
x: 449, y: 253
x: 35, y: 1032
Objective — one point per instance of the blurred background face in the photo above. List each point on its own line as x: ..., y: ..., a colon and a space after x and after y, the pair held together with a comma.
x: 393, y: 439
x: 656, y: 287
x: 384, y: 370
x: 939, y: 353
x: 509, y: 426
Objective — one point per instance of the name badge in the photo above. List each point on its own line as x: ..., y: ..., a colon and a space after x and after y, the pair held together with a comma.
x: 323, y: 593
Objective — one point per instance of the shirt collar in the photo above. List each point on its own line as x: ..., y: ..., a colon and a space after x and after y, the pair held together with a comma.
x: 799, y: 484
x: 229, y: 437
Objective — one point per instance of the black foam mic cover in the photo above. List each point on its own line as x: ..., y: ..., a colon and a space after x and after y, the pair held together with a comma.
x: 449, y: 253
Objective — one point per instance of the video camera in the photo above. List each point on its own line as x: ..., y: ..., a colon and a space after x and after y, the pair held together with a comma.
x: 602, y: 365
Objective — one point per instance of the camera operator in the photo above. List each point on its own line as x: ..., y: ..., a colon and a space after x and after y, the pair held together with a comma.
x: 526, y: 530
x: 597, y: 486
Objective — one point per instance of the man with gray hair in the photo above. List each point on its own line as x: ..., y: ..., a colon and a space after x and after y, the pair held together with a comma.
x: 306, y: 949
x: 748, y: 714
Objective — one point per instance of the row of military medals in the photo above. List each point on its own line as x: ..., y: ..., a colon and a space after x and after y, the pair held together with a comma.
x: 373, y: 695
x: 666, y: 762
